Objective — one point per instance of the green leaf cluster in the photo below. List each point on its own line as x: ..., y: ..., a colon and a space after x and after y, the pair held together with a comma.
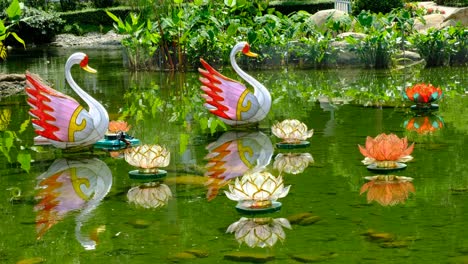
x: 13, y: 13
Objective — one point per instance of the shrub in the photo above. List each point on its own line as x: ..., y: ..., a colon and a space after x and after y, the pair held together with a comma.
x: 37, y: 26
x: 381, y: 6
x: 456, y: 3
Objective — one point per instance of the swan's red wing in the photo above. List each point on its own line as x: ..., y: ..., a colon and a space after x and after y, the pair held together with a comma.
x: 225, y: 97
x: 50, y: 109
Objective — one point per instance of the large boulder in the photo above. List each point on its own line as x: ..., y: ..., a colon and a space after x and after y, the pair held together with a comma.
x: 432, y: 21
x: 11, y: 84
x: 320, y: 18
x: 459, y: 15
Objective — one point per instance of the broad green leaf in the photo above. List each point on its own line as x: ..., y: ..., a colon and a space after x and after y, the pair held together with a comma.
x: 230, y: 3
x: 14, y: 10
x: 2, y: 28
x: 24, y: 158
x: 18, y: 39
x: 178, y: 1
x: 198, y: 2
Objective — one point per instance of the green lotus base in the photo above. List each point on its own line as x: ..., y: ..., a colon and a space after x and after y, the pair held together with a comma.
x: 275, y: 206
x: 113, y: 142
x: 302, y: 144
x: 137, y: 174
x: 374, y: 168
x: 427, y: 107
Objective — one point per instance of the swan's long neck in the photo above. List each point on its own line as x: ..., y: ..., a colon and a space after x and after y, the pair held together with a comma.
x: 260, y: 91
x: 95, y: 108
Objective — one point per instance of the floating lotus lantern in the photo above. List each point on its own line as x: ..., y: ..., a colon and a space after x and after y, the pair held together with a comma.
x: 257, y: 192
x: 388, y: 190
x: 423, y: 125
x: 148, y: 159
x: 259, y: 232
x: 423, y: 95
x: 292, y: 163
x: 116, y: 137
x: 293, y: 133
x: 150, y: 195
x: 386, y: 152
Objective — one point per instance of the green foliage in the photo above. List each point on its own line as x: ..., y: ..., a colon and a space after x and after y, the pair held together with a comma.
x: 141, y: 42
x: 381, y: 6
x: 13, y: 14
x: 376, y: 48
x: 439, y: 46
x: 93, y: 16
x: 38, y: 26
x: 455, y: 3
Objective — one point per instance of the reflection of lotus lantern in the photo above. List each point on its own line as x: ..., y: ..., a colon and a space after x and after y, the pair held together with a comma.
x: 72, y: 185
x: 148, y: 159
x: 386, y: 152
x: 150, y: 195
x: 293, y: 163
x: 424, y: 124
x: 259, y: 232
x: 388, y: 189
x: 292, y: 132
x: 257, y: 191
x: 423, y: 94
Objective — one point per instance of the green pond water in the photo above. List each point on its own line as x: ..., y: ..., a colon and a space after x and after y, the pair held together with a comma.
x: 74, y: 207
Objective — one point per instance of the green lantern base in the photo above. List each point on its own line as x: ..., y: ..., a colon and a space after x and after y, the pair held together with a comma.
x: 116, y: 142
x: 374, y: 168
x: 136, y: 174
x: 275, y: 206
x: 427, y: 107
x: 284, y: 145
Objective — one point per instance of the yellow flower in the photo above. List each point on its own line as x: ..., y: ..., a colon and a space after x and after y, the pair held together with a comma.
x: 291, y: 131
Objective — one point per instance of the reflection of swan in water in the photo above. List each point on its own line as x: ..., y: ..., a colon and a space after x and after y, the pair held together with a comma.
x: 71, y: 185
x: 233, y: 154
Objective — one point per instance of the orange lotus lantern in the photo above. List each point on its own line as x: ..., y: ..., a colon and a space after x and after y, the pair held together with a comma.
x: 423, y: 95
x: 388, y: 190
x: 386, y: 152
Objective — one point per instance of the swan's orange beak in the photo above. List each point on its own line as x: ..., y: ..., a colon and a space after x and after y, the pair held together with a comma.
x: 251, y: 54
x: 88, y: 69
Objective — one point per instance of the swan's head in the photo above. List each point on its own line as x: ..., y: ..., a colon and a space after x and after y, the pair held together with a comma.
x: 81, y: 59
x: 245, y: 48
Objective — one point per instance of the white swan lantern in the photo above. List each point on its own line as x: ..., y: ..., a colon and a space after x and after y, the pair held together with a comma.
x: 230, y: 100
x: 59, y: 119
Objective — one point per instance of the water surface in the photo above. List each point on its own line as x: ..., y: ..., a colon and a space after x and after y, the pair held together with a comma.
x: 46, y: 218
